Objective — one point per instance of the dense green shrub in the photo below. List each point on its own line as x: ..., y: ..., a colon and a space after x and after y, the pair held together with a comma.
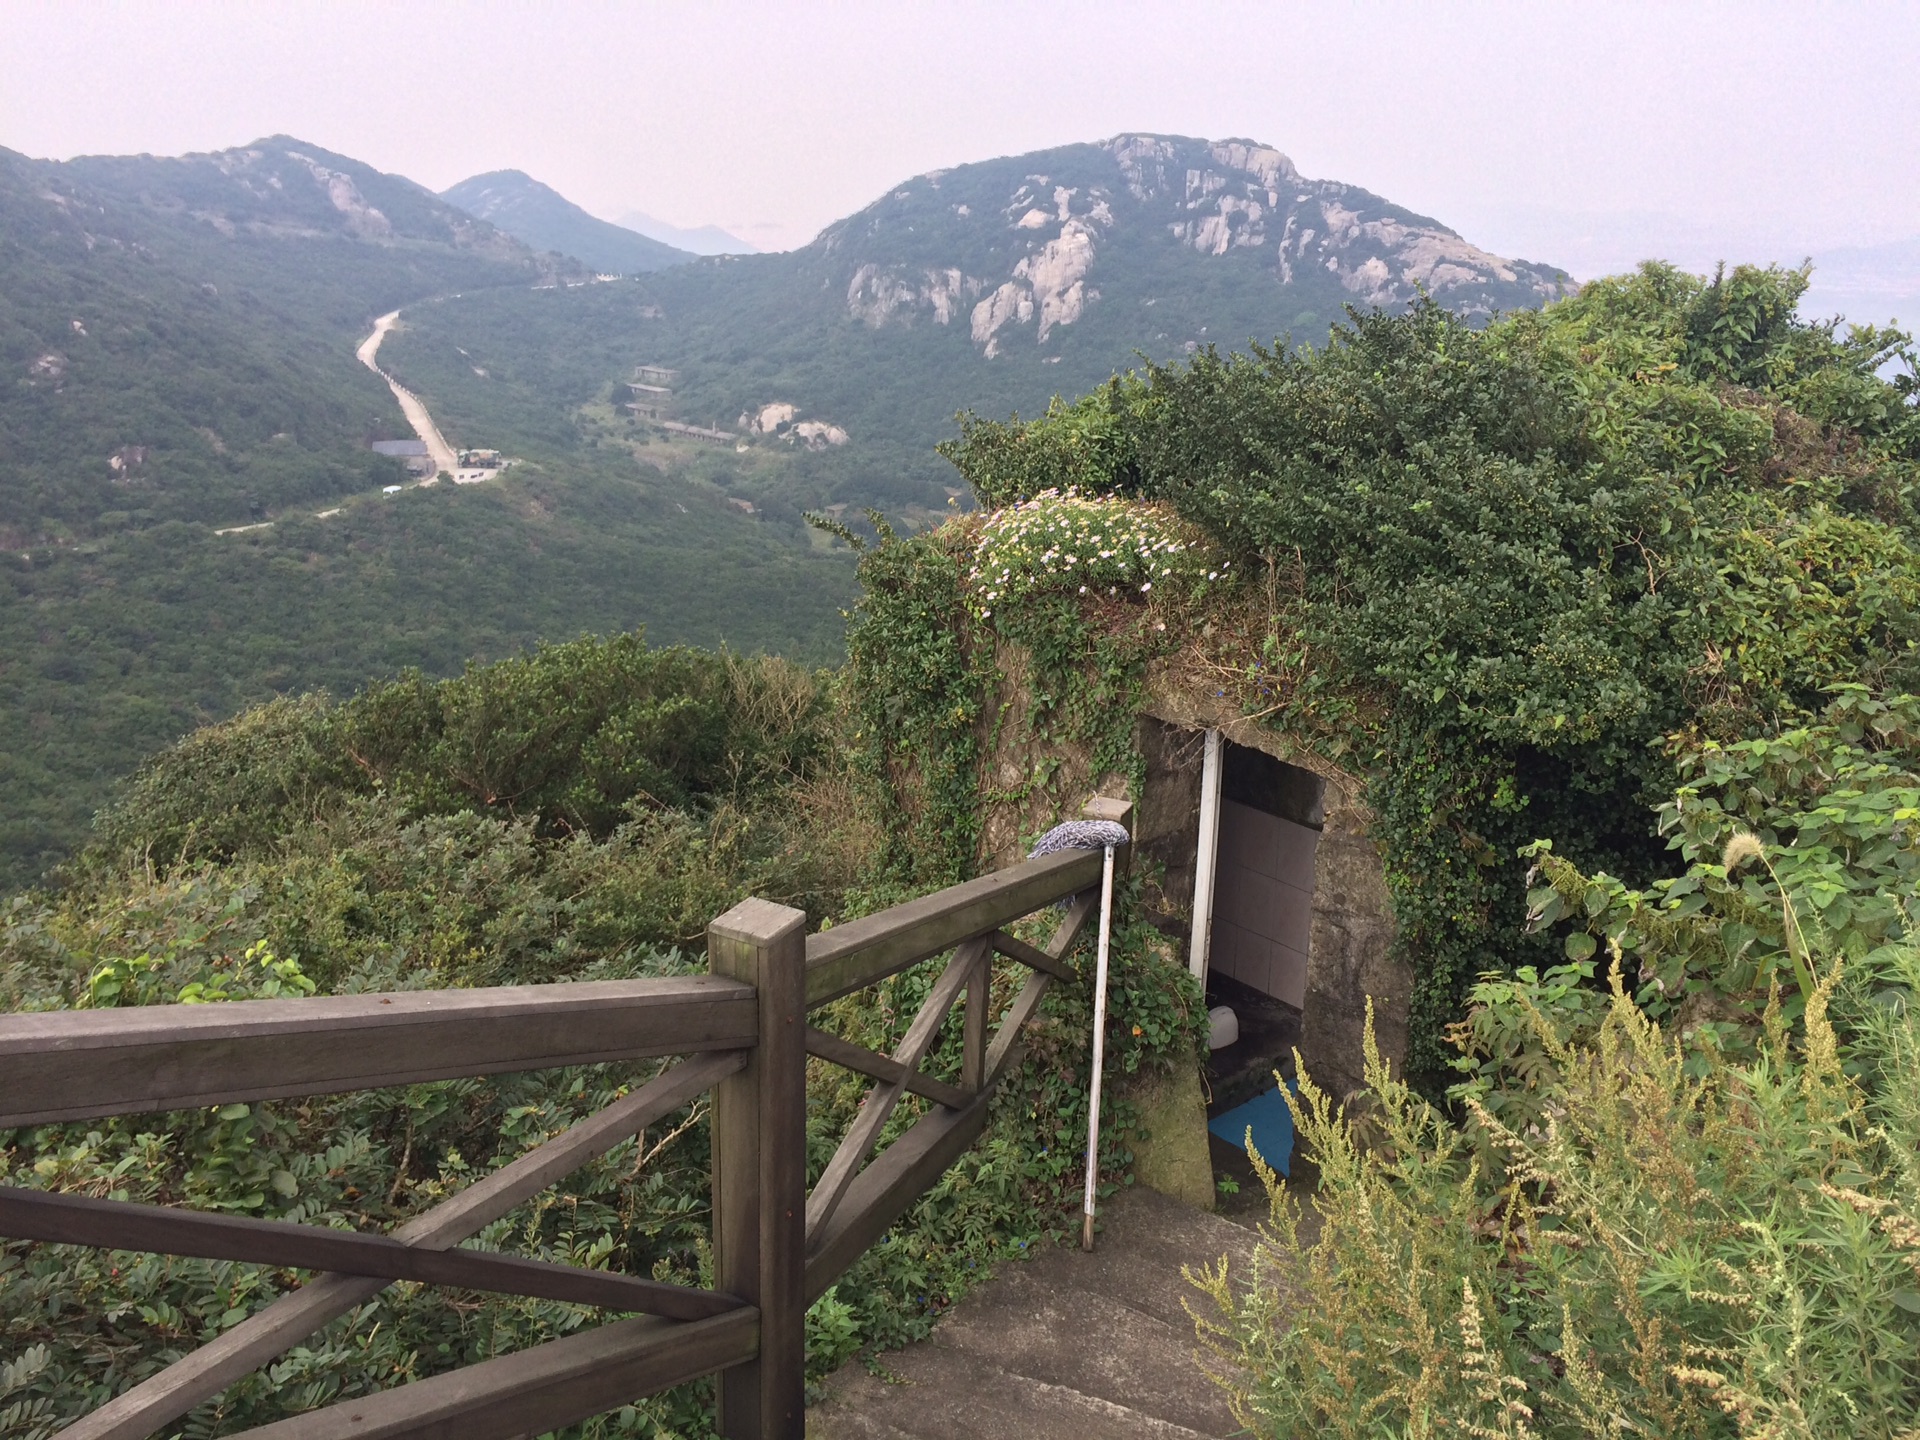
x: 1684, y: 1203
x: 576, y: 737
x: 346, y: 848
x: 1491, y: 571
x: 1682, y: 1249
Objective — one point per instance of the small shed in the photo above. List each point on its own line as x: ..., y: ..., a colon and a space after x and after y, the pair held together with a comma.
x: 1257, y: 864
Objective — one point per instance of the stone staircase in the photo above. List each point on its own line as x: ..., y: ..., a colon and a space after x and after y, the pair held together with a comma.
x: 1067, y: 1346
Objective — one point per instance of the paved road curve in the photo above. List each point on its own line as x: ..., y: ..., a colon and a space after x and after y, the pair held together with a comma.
x: 444, y: 460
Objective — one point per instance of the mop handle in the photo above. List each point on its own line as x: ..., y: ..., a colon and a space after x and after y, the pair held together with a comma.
x: 1099, y: 1048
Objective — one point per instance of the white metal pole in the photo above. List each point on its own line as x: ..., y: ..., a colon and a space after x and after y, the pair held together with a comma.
x: 1099, y: 1048
x: 1206, y: 859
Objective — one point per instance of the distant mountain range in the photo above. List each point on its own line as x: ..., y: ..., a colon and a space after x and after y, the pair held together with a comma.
x: 543, y: 218
x: 701, y: 240
x: 991, y: 286
x: 191, y: 518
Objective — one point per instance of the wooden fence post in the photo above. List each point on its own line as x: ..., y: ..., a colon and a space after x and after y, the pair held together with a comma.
x: 760, y: 1171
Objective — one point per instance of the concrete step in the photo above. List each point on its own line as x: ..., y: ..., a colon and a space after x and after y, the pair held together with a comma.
x: 1143, y: 1243
x: 1064, y: 1345
x: 1061, y: 1334
x: 946, y: 1393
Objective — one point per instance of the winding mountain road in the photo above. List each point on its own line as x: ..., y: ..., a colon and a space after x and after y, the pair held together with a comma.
x: 444, y: 460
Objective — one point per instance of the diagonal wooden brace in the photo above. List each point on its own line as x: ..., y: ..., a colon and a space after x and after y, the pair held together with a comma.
x: 160, y: 1399
x: 864, y: 1134
x: 120, y: 1225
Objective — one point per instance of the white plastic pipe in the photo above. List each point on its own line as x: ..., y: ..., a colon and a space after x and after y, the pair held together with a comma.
x: 1099, y: 1048
x: 1206, y: 860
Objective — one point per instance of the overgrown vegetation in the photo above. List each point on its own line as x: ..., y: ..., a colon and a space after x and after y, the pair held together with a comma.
x: 1685, y: 1203
x: 1632, y: 575
x: 579, y: 813
x: 1486, y: 572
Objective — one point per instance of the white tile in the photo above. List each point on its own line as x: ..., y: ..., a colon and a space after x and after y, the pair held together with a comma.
x: 1294, y: 847
x: 1287, y: 976
x: 1291, y: 917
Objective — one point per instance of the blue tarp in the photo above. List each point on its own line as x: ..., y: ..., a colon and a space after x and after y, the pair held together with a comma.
x: 1272, y: 1125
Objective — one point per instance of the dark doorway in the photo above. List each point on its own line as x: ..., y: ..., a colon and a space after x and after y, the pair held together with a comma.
x: 1270, y: 818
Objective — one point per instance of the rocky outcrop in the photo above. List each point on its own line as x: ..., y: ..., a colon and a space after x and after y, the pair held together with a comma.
x: 1025, y: 263
x: 877, y: 294
x: 362, y: 219
x: 780, y: 420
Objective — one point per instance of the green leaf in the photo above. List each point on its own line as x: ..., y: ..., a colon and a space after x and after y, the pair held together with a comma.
x: 1581, y: 945
x: 1908, y: 1300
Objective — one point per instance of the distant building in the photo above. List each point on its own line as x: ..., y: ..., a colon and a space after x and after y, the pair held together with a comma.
x: 414, y: 452
x: 649, y: 402
x: 481, y: 459
x: 697, y: 432
x: 127, y: 459
x: 656, y: 375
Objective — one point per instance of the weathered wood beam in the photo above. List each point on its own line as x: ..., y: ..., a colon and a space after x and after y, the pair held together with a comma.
x: 874, y: 1065
x: 120, y: 1225
x: 539, y: 1390
x: 882, y: 1192
x: 887, y: 1188
x: 1001, y: 1053
x: 853, y: 955
x: 864, y: 1133
x: 759, y: 1135
x: 199, y: 1376
x: 80, y: 1064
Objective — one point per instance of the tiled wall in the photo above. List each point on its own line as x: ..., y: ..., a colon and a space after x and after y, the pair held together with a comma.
x: 1263, y: 901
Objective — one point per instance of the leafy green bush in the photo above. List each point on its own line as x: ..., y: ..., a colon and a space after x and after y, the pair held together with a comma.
x: 1683, y: 1203
x: 1679, y: 1251
x: 1491, y: 571
x: 261, y: 858
x: 575, y: 736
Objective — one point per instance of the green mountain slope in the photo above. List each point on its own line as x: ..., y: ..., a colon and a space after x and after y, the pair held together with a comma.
x: 178, y: 336
x: 992, y: 287
x: 545, y: 219
x: 177, y: 339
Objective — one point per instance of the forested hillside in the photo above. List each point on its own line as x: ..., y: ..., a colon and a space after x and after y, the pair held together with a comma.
x: 178, y: 337
x: 580, y: 813
x: 991, y: 287
x: 1614, y: 612
x: 542, y: 217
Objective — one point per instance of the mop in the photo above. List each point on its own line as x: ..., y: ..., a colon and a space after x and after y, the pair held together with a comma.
x: 1085, y: 835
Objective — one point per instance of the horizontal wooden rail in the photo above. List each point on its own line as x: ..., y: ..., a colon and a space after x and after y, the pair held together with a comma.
x: 538, y: 1390
x: 82, y: 1064
x: 856, y: 954
x: 775, y: 1247
x: 119, y: 1225
x: 201, y: 1374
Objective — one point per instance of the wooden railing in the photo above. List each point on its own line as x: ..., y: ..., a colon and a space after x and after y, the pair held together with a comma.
x: 743, y: 1034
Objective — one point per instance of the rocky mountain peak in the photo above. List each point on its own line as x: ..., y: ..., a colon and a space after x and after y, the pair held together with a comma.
x: 1018, y: 249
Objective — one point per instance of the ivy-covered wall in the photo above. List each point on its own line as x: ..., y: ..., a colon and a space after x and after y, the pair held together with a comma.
x: 1498, y: 578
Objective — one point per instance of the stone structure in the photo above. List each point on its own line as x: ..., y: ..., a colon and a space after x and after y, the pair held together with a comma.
x: 1351, y: 956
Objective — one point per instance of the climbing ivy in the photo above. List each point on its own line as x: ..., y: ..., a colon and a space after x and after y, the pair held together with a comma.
x: 1491, y: 571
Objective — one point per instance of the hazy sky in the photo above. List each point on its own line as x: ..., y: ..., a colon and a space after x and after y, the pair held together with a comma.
x: 1584, y: 135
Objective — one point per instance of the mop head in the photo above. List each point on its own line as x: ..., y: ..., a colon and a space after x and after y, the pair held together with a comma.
x: 1079, y: 835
